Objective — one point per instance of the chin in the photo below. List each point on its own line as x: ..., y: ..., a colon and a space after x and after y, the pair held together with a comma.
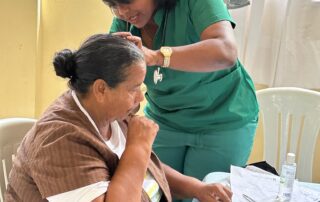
x: 126, y: 116
x: 121, y: 118
x: 139, y: 26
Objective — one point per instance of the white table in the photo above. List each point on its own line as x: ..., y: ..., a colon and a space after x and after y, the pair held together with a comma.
x: 224, y: 178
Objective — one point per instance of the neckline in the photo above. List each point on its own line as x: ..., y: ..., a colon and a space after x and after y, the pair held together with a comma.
x: 116, y: 140
x: 160, y: 16
x: 83, y: 110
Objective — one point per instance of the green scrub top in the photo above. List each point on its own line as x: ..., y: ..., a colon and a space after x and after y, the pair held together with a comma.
x: 189, y: 101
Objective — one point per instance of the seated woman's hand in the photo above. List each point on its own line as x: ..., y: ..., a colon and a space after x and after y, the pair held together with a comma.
x: 141, y: 132
x: 214, y: 192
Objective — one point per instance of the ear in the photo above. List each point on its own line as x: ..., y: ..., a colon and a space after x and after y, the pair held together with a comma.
x: 99, y: 88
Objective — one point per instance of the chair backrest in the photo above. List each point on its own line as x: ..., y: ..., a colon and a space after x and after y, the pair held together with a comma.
x: 291, y: 122
x: 12, y: 131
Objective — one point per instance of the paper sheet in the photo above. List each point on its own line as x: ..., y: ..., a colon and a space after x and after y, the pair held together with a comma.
x: 262, y: 187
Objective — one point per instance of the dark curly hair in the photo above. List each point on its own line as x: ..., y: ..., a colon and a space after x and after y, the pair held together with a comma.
x: 168, y: 4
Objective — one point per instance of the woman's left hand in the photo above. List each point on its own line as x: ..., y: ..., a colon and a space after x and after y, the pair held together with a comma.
x: 214, y: 192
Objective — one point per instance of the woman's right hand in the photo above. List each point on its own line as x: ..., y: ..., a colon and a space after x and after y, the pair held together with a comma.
x: 127, y: 35
x: 134, y: 161
x: 141, y: 132
x: 151, y: 57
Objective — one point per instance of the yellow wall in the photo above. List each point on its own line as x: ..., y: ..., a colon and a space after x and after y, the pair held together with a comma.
x: 28, y: 40
x: 65, y: 24
x: 17, y: 57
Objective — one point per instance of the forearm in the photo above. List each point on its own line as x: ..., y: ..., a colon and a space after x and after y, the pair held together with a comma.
x: 129, y: 175
x: 204, y: 56
x: 181, y: 186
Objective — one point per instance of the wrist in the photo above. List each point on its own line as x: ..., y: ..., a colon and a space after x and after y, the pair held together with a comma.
x: 166, y: 52
x: 137, y: 158
x: 198, y: 189
x: 158, y: 58
x: 143, y: 151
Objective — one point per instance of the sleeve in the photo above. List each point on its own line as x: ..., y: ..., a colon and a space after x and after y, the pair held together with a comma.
x: 118, y: 25
x: 207, y: 12
x: 83, y: 194
x: 66, y: 160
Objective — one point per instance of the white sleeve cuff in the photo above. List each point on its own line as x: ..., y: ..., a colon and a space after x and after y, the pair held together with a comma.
x: 83, y: 194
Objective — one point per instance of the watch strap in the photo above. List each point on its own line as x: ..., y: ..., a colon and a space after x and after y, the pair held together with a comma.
x: 166, y: 61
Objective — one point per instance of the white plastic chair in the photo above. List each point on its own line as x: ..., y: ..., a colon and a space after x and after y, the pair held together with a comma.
x: 291, y: 122
x: 12, y: 131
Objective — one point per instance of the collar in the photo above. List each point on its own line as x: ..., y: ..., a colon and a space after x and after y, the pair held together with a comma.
x: 75, y: 98
x: 158, y: 17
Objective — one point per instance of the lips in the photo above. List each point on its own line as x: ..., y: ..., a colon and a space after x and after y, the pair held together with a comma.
x: 134, y: 110
x: 133, y: 19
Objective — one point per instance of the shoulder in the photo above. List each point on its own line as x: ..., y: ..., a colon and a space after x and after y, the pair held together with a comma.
x: 74, y: 156
x: 207, y: 12
x: 64, y: 117
x: 63, y: 127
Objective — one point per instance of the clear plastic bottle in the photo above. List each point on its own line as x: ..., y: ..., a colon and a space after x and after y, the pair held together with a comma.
x: 287, y: 177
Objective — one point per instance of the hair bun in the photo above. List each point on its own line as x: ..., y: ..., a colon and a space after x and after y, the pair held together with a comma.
x: 64, y: 63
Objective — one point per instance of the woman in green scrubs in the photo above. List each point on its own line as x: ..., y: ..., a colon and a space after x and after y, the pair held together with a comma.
x: 197, y: 90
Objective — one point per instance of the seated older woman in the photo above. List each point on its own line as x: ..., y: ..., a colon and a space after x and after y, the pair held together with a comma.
x: 88, y: 147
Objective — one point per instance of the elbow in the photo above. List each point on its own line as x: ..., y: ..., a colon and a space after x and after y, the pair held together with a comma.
x: 233, y: 56
x: 229, y: 56
x: 225, y: 54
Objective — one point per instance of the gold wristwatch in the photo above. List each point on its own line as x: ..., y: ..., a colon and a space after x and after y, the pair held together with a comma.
x: 166, y: 52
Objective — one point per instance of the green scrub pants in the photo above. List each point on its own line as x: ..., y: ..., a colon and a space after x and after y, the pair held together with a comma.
x: 199, y: 154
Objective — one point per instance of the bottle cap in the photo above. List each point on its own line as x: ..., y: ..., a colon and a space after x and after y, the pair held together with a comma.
x: 291, y: 158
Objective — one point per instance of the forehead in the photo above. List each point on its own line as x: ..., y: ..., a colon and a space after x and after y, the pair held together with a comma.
x: 139, y: 65
x: 136, y: 72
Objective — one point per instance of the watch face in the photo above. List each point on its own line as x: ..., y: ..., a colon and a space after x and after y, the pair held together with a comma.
x: 166, y: 51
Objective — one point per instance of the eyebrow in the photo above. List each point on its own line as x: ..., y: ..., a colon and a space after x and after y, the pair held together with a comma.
x: 134, y: 86
x: 137, y: 85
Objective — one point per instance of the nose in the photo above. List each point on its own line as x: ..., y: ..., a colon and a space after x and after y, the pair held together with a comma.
x: 139, y: 97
